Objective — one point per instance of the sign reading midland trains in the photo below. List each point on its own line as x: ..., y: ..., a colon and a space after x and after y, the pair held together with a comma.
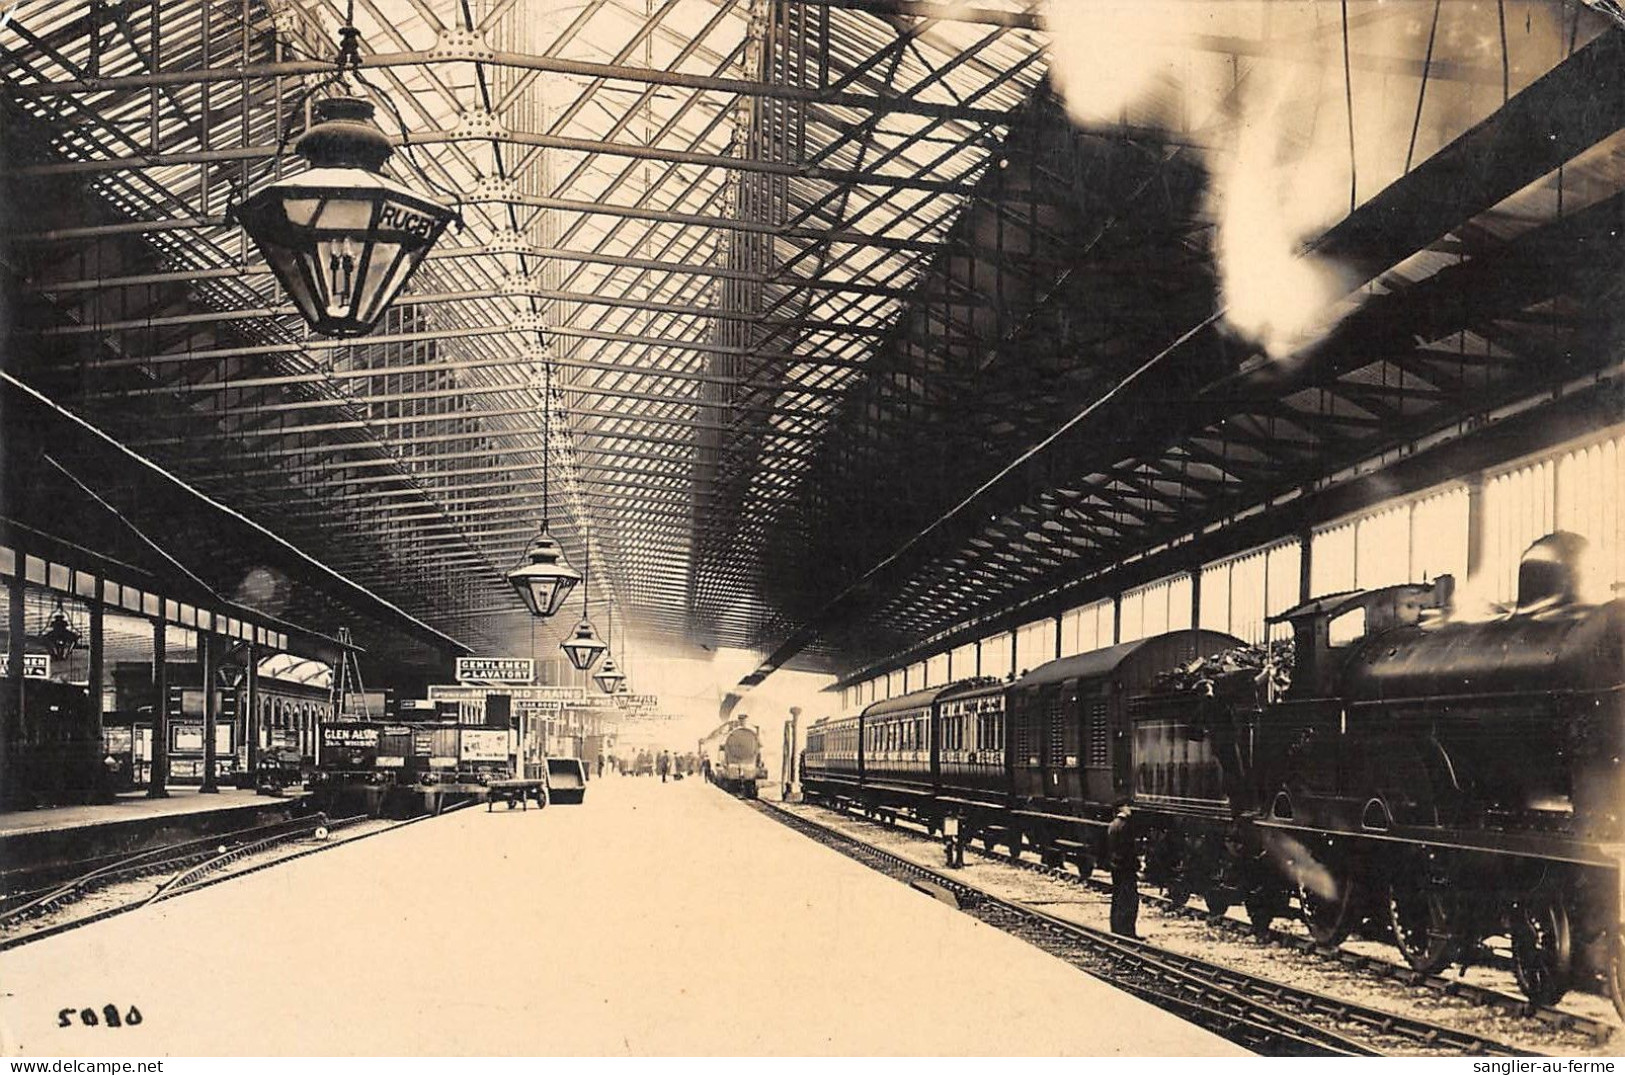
x: 447, y: 692
x: 495, y: 670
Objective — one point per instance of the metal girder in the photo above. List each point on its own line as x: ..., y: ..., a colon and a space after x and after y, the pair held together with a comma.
x: 579, y: 298
x: 96, y: 283
x: 518, y: 61
x: 633, y: 151
x: 468, y: 332
x: 660, y: 216
x: 187, y: 388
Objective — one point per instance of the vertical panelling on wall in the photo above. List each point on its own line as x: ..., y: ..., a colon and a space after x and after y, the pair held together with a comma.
x: 1518, y: 508
x: 1035, y: 645
x: 1589, y: 481
x: 1439, y: 535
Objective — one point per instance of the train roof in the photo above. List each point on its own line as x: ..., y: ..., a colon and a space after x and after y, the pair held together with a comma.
x: 911, y: 700
x: 929, y: 695
x: 1164, y: 649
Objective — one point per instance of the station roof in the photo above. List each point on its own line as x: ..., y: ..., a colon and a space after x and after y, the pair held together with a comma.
x: 861, y: 341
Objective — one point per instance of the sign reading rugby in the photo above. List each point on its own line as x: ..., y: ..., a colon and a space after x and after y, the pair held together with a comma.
x: 495, y: 670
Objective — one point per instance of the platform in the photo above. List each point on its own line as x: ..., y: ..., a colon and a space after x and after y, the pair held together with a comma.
x: 654, y: 919
x: 34, y: 842
x: 130, y: 806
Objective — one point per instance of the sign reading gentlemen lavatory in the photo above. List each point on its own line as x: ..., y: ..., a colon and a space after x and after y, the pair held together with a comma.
x: 496, y: 670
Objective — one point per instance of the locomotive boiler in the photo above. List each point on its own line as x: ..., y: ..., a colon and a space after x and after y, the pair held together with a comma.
x: 1399, y: 767
x: 733, y: 758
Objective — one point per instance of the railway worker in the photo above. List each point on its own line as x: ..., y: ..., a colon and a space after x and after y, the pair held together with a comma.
x: 1124, y: 861
x: 663, y: 765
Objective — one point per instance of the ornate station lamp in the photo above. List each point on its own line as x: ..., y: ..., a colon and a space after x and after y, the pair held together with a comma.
x: 59, y: 636
x: 544, y: 579
x: 584, y: 647
x: 341, y: 237
x: 609, y: 678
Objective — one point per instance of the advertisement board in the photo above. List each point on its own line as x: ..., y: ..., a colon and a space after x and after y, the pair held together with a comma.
x: 484, y: 744
x: 516, y: 670
x: 345, y: 736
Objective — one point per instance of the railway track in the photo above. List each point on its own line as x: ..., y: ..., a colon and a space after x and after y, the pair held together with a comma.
x: 174, y: 871
x: 1597, y: 1031
x: 1263, y: 1015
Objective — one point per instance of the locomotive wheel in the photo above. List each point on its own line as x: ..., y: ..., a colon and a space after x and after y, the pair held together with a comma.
x: 1216, y: 900
x: 1264, y: 906
x: 1424, y: 922
x: 1542, y: 950
x: 1330, y: 918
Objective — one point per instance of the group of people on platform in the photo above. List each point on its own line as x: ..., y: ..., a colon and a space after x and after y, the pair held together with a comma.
x: 662, y: 763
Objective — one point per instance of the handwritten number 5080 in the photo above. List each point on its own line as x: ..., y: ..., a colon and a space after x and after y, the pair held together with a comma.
x: 109, y: 1017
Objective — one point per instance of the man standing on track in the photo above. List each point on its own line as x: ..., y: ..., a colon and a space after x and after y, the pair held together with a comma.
x: 663, y: 764
x: 1124, y: 861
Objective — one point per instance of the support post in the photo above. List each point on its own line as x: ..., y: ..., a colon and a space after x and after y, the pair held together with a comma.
x: 248, y: 700
x: 94, y: 688
x: 1475, y: 525
x: 787, y: 765
x: 158, y: 777
x: 1306, y: 566
x: 206, y: 658
x: 11, y: 710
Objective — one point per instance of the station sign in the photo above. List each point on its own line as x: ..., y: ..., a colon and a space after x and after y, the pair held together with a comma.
x: 496, y: 670
x: 637, y: 701
x: 538, y: 705
x: 449, y: 692
x: 35, y: 665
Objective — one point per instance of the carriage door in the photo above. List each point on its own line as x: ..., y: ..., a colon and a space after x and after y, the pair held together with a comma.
x: 1094, y: 706
x: 1060, y: 708
x: 1122, y: 740
x: 1026, y: 743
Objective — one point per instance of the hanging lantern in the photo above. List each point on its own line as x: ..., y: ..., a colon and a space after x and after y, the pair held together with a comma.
x: 609, y: 678
x: 584, y: 647
x: 59, y: 636
x: 545, y: 578
x: 342, y: 238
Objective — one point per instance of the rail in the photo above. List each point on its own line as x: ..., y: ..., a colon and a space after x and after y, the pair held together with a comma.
x: 1258, y: 1013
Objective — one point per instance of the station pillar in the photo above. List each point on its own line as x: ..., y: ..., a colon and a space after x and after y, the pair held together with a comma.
x: 158, y: 774
x: 206, y: 657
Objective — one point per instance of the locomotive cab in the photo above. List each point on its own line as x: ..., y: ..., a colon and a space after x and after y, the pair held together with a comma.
x: 1326, y: 629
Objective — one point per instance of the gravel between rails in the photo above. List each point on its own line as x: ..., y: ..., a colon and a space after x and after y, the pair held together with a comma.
x: 1069, y: 899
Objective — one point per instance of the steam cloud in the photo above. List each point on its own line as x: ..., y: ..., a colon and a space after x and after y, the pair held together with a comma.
x: 1273, y: 119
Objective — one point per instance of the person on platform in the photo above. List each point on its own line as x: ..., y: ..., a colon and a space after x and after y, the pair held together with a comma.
x: 1124, y: 860
x: 663, y: 765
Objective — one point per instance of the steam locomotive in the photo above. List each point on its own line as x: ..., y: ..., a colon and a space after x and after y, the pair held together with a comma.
x: 1434, y: 776
x: 732, y: 759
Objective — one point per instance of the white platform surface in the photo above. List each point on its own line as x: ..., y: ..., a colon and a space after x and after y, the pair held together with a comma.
x: 654, y: 919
